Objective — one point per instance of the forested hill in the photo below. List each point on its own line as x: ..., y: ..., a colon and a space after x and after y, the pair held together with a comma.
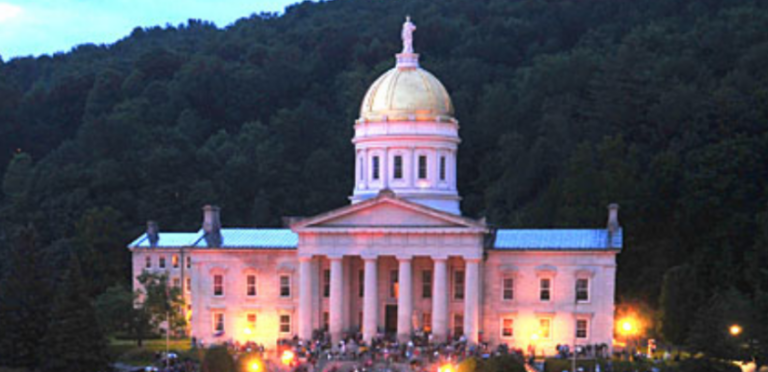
x: 565, y: 106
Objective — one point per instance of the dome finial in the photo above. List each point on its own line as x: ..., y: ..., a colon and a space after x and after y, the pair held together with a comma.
x: 407, y: 35
x: 407, y: 58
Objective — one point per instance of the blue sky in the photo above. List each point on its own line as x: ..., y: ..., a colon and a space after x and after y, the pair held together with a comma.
x: 35, y: 27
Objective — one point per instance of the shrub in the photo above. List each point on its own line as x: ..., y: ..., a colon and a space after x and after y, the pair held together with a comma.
x: 217, y: 359
x: 504, y: 363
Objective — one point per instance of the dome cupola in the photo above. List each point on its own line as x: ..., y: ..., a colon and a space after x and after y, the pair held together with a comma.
x: 406, y: 137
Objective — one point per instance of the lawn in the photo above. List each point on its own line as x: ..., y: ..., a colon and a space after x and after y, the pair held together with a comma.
x: 126, y: 351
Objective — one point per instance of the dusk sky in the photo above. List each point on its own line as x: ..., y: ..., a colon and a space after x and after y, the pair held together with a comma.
x: 35, y: 27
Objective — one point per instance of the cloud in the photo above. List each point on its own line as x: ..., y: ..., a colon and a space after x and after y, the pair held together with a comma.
x: 9, y: 11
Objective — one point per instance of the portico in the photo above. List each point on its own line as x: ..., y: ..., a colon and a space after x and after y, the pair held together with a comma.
x: 423, y: 234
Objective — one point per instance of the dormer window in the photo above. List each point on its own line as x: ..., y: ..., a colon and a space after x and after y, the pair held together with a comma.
x: 398, y: 168
x: 422, y: 167
x: 375, y: 168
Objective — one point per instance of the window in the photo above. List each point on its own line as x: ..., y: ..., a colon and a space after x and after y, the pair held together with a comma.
x: 426, y: 318
x: 362, y: 174
x: 175, y: 261
x: 162, y: 262
x: 422, y: 167
x: 398, y: 171
x: 442, y: 168
x: 507, y: 328
x: 218, y: 285
x: 218, y: 322
x: 581, y: 328
x: 375, y: 168
x: 326, y: 283
x: 285, y: 286
x: 176, y: 282
x: 188, y: 285
x: 326, y: 321
x: 285, y: 323
x: 361, y: 282
x: 582, y: 290
x: 250, y: 284
x: 148, y: 262
x: 508, y: 289
x: 251, y: 319
x: 393, y: 284
x: 189, y: 262
x: 426, y: 284
x: 458, y: 285
x: 545, y: 327
x: 545, y: 289
x: 458, y: 325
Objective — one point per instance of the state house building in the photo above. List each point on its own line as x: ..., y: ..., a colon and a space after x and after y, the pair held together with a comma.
x: 401, y: 257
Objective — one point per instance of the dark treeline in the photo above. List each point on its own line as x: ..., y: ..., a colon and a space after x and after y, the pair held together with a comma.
x: 565, y: 106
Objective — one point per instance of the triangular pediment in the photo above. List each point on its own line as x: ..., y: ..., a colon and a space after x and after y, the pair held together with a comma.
x: 387, y: 211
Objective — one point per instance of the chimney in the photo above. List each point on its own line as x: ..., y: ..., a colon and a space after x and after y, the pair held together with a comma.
x: 153, y: 233
x: 613, y: 218
x: 212, y: 225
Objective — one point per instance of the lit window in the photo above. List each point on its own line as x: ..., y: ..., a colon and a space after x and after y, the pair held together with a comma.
x: 426, y: 319
x: 375, y: 168
x: 458, y: 325
x: 582, y: 290
x: 251, y: 322
x: 218, y: 285
x: 442, y: 168
x: 326, y: 321
x: 218, y: 322
x: 545, y: 327
x: 393, y: 284
x: 175, y: 261
x: 508, y: 290
x: 507, y: 328
x: 398, y: 171
x: 285, y: 323
x: 422, y: 167
x: 285, y: 286
x: 581, y: 328
x: 188, y: 284
x: 162, y: 262
x: 545, y: 289
x: 326, y: 283
x: 426, y: 284
x: 250, y: 282
x: 189, y: 262
x: 458, y: 285
x: 361, y: 282
x: 148, y: 262
x: 176, y: 282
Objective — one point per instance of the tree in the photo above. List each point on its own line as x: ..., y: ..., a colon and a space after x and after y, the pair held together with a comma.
x: 161, y: 301
x: 25, y: 301
x: 118, y: 311
x: 679, y: 299
x: 74, y: 341
x: 710, y: 333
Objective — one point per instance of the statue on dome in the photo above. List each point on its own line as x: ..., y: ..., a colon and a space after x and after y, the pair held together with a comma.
x: 407, y: 35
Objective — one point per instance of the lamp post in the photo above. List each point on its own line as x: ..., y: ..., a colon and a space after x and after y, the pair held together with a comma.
x: 628, y: 328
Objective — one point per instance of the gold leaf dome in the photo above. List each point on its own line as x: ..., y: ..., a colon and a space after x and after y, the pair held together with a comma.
x: 407, y: 93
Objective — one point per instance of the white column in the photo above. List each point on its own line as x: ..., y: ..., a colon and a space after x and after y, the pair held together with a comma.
x: 370, y: 300
x: 336, y: 301
x: 305, y: 298
x: 440, y: 300
x: 404, y: 299
x: 471, y: 299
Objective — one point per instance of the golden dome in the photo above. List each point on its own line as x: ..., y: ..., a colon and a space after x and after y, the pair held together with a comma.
x: 407, y: 93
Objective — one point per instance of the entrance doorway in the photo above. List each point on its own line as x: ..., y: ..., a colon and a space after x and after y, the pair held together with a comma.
x: 390, y: 319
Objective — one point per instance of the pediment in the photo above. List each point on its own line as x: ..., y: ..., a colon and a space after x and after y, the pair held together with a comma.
x: 387, y: 212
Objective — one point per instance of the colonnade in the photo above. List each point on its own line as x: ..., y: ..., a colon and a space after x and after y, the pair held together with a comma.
x: 372, y: 305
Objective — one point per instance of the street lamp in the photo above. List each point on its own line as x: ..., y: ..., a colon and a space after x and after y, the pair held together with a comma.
x: 446, y: 368
x: 735, y: 330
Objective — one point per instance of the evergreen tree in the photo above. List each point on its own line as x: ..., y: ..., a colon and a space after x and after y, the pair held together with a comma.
x: 74, y: 342
x: 24, y: 303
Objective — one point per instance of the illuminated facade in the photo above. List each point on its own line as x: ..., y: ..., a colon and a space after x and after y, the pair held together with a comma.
x: 400, y: 258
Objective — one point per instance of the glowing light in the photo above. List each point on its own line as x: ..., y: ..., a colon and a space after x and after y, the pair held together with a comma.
x: 628, y: 326
x: 9, y: 11
x: 247, y: 331
x: 735, y: 330
x: 535, y: 336
x: 255, y: 366
x: 287, y: 357
x: 446, y: 368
